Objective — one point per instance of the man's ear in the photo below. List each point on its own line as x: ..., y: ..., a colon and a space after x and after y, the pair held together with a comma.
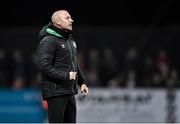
x: 58, y: 22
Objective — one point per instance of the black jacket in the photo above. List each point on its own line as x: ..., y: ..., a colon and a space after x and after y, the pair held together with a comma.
x: 56, y: 54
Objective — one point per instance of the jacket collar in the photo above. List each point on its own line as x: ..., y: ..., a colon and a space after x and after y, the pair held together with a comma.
x: 51, y: 29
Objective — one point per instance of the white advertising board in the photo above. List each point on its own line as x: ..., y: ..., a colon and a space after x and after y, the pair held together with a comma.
x: 122, y: 106
x: 177, y: 106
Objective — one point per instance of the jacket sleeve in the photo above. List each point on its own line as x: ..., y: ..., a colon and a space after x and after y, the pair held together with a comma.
x: 45, y: 53
x: 81, y: 77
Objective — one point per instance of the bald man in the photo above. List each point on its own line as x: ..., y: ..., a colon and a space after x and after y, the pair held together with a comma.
x: 60, y: 74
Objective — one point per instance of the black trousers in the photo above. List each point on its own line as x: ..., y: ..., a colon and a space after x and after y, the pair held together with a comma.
x: 62, y: 109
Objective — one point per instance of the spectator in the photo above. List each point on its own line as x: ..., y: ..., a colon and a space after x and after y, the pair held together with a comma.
x: 147, y: 72
x: 108, y: 67
x: 162, y: 63
x: 3, y: 69
x: 93, y: 80
x: 18, y: 71
x: 93, y: 59
x: 173, y: 80
x: 34, y: 72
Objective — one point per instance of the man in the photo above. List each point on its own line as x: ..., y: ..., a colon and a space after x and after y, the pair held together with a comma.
x: 59, y: 69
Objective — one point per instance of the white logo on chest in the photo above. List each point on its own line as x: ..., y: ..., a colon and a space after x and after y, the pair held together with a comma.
x: 62, y: 45
x: 74, y: 44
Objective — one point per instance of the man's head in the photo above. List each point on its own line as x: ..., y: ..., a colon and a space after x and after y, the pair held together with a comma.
x: 62, y: 19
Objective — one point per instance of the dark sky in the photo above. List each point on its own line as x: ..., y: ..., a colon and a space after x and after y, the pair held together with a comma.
x: 92, y: 12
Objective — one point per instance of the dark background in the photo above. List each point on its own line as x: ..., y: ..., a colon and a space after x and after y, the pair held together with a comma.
x: 91, y: 15
x: 92, y: 12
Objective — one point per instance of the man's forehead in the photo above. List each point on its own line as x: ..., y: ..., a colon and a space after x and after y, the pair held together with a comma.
x: 63, y: 13
x: 60, y: 14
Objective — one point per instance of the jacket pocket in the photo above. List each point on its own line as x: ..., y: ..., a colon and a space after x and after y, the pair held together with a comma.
x: 48, y: 85
x: 64, y: 84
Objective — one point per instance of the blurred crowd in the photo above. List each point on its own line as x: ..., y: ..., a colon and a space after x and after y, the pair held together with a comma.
x: 18, y: 70
x: 102, y: 68
x: 134, y: 69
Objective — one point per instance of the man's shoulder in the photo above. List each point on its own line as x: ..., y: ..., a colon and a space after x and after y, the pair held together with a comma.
x: 53, y: 40
x: 48, y: 39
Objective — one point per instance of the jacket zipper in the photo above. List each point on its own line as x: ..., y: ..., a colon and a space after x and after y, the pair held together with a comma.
x: 72, y: 56
x: 72, y: 59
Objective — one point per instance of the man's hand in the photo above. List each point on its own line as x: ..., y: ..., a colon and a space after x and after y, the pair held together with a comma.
x: 84, y: 89
x: 72, y: 75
